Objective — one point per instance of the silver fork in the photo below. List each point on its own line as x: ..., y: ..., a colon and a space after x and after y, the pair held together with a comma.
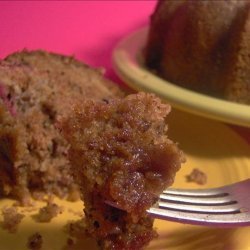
x: 227, y: 206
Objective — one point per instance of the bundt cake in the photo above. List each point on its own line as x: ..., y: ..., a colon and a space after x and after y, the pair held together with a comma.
x: 122, y: 159
x: 35, y: 88
x: 202, y: 45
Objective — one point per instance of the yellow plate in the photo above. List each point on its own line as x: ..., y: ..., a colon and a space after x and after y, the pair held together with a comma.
x: 127, y: 60
x: 210, y: 146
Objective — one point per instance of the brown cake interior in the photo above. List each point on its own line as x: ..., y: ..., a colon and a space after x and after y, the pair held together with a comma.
x: 35, y: 88
x: 122, y: 159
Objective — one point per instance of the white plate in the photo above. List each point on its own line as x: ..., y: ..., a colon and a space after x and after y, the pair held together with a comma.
x: 128, y: 65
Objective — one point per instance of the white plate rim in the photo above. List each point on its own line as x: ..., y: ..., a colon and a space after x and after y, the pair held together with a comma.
x: 128, y: 67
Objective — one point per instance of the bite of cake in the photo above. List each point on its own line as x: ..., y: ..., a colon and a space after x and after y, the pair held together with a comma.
x: 122, y: 159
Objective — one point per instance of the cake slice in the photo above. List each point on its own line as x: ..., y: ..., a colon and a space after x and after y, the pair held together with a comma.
x: 122, y: 159
x: 35, y: 88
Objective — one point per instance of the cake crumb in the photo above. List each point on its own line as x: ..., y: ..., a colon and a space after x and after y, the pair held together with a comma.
x: 48, y: 212
x: 71, y: 244
x: 11, y: 218
x: 197, y: 176
x: 76, y: 229
x: 35, y: 241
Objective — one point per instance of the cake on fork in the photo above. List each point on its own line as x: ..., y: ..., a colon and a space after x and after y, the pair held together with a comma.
x: 122, y: 159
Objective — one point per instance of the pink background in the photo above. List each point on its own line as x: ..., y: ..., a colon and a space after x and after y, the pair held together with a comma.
x: 89, y: 30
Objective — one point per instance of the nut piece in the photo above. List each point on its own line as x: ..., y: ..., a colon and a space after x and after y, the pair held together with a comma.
x: 11, y: 218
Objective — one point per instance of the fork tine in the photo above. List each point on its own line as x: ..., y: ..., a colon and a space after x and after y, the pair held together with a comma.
x: 218, y: 220
x: 197, y: 200
x: 200, y: 209
x: 227, y: 206
x: 220, y: 191
x: 196, y: 192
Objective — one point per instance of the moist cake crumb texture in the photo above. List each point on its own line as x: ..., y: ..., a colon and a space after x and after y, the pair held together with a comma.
x: 48, y: 212
x: 122, y: 159
x: 36, y: 87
